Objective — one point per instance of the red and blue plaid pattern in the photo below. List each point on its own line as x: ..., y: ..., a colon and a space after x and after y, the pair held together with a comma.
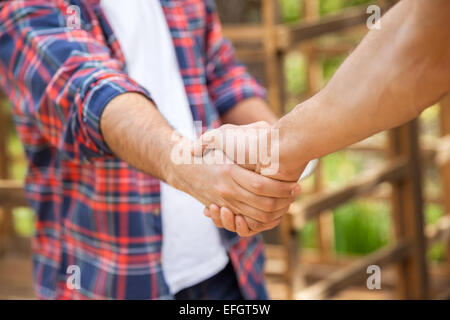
x: 93, y: 210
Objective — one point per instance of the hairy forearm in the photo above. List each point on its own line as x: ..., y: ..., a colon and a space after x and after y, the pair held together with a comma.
x: 393, y: 75
x: 138, y: 134
x: 249, y: 111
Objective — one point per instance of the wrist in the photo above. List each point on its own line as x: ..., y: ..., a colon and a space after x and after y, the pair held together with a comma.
x: 180, y: 169
x: 296, y: 141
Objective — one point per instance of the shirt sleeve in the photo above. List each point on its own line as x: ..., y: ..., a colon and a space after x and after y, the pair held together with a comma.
x: 228, y: 80
x: 58, y: 77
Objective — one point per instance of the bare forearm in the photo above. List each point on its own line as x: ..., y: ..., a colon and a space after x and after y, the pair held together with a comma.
x: 137, y: 133
x: 393, y: 75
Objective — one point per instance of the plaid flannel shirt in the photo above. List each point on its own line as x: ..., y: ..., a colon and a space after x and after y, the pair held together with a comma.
x: 94, y: 210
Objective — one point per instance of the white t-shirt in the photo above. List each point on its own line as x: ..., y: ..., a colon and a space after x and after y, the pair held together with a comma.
x: 192, y: 250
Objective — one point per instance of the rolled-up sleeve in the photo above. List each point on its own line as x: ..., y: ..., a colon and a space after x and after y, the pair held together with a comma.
x: 61, y: 78
x: 228, y: 80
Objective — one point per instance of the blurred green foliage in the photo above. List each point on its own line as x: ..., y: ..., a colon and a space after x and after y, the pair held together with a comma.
x: 333, y: 6
x: 361, y: 227
x: 291, y: 10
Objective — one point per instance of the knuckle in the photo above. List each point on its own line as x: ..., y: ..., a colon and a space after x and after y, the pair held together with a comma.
x: 266, y: 218
x: 255, y: 226
x: 270, y: 204
x: 257, y: 185
x: 224, y: 191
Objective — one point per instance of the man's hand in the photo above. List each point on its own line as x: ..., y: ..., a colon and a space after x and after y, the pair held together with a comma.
x: 253, y: 147
x: 261, y: 199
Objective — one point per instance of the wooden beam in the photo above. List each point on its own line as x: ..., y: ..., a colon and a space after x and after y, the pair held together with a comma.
x: 439, y: 232
x: 408, y: 212
x: 246, y: 34
x: 394, y: 170
x: 292, y: 35
x: 445, y: 167
x: 354, y: 273
x: 428, y: 149
x: 286, y: 37
x: 6, y: 222
x: 12, y: 194
x: 274, y: 59
x: 250, y: 55
x: 336, y: 49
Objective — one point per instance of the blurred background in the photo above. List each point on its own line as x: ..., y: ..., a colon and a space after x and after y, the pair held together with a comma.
x: 380, y: 202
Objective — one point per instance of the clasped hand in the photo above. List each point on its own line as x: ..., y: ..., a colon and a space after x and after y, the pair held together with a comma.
x: 262, y: 191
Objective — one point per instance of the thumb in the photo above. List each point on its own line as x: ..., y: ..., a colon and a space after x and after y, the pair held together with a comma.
x: 212, y: 140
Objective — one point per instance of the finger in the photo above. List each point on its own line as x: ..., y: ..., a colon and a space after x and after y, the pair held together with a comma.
x: 265, y: 217
x: 206, y: 213
x: 227, y: 218
x: 214, y: 212
x: 266, y: 204
x: 261, y: 185
x: 242, y: 228
x: 217, y: 222
x: 213, y: 139
x: 256, y: 226
x: 198, y: 147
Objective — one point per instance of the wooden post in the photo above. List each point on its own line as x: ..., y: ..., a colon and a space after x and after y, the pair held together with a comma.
x: 325, y: 224
x: 6, y: 224
x: 273, y: 58
x: 311, y: 9
x: 408, y: 217
x: 445, y: 168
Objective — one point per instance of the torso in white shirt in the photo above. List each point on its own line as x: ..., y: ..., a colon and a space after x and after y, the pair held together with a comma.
x: 192, y: 249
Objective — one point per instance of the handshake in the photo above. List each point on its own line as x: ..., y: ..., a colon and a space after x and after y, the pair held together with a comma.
x: 242, y: 176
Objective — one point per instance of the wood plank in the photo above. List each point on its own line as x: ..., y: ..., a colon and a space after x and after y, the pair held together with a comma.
x: 275, y: 94
x: 337, y: 49
x: 274, y: 58
x: 408, y: 215
x: 445, y: 167
x: 325, y: 224
x: 289, y: 36
x: 246, y: 34
x: 354, y: 273
x: 428, y: 150
x: 16, y: 277
x: 6, y: 220
x: 311, y: 208
x: 438, y: 232
x: 12, y: 194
